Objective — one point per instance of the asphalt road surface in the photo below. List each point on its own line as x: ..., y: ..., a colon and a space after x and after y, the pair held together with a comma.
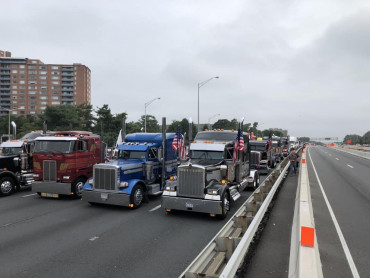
x: 345, y: 180
x: 42, y: 237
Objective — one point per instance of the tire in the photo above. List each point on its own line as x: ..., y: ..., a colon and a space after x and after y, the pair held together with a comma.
x: 77, y: 187
x: 256, y: 182
x: 137, y: 196
x: 7, y: 186
x: 225, y: 199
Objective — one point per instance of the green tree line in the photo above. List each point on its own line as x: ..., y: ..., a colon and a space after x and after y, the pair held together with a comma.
x: 357, y: 139
x: 101, y: 121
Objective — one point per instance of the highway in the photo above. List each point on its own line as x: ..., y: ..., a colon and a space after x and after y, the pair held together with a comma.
x: 70, y: 238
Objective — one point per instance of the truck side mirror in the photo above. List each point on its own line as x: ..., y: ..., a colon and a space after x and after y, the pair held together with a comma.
x: 160, y: 154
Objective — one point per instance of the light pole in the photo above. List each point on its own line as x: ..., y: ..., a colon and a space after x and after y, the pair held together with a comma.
x: 9, y: 116
x: 209, y: 120
x: 146, y: 105
x: 201, y: 84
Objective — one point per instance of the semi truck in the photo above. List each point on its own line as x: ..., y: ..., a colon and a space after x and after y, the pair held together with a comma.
x: 213, y: 177
x: 144, y: 162
x: 15, y: 166
x: 63, y: 162
x: 267, y: 158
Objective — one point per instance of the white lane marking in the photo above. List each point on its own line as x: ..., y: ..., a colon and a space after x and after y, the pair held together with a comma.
x: 94, y: 238
x: 350, y: 166
x: 29, y: 195
x: 339, y: 231
x: 337, y: 158
x: 157, y: 207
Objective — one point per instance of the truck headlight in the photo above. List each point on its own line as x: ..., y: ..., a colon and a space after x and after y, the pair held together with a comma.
x: 123, y: 184
x: 171, y: 188
x: 90, y: 181
x: 212, y: 191
x: 66, y: 177
x: 35, y: 175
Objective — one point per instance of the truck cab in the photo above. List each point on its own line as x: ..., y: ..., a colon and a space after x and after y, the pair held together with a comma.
x: 15, y: 166
x: 211, y: 179
x: 267, y: 158
x: 135, y: 173
x: 63, y: 162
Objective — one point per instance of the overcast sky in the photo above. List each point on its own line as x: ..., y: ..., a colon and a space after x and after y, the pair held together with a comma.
x: 301, y: 65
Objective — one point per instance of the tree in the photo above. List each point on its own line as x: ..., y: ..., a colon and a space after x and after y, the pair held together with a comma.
x: 355, y: 139
x: 62, y: 117
x: 366, y: 138
x: 304, y: 139
x: 184, y: 125
x: 151, y: 123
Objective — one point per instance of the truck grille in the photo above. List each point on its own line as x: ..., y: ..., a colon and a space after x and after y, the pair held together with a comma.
x: 255, y: 158
x: 191, y: 182
x: 105, y: 177
x: 50, y: 170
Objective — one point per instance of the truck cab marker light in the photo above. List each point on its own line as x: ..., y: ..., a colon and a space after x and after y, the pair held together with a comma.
x: 131, y: 205
x: 223, y: 182
x: 212, y: 215
x: 168, y: 210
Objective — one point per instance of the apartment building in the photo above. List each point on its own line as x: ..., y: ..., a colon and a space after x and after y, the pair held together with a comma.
x: 28, y: 86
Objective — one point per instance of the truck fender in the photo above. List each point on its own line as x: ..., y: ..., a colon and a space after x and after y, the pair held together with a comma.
x: 11, y: 175
x: 131, y: 185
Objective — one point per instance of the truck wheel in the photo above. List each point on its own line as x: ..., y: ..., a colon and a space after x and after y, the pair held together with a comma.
x: 7, y: 186
x: 137, y: 196
x: 225, y: 199
x: 256, y: 182
x: 77, y: 187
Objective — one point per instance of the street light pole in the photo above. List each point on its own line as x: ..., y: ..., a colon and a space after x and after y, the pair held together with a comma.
x: 146, y: 105
x: 9, y: 116
x: 200, y: 84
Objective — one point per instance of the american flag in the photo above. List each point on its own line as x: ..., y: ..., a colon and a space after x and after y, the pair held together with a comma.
x: 239, y: 145
x: 178, y: 143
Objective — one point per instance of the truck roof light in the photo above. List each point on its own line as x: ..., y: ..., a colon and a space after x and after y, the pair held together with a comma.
x: 214, y: 129
x: 232, y: 130
x: 224, y: 142
x: 222, y: 129
x: 205, y: 129
x: 223, y: 182
x: 194, y: 141
x: 171, y: 178
x: 218, y: 129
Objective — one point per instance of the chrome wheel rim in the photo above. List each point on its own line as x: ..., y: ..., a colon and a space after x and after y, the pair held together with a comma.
x: 79, y: 187
x: 138, y: 197
x: 226, y: 204
x: 6, y: 187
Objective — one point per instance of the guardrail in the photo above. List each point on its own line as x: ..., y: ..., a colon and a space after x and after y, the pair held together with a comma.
x: 226, y: 251
x: 304, y: 258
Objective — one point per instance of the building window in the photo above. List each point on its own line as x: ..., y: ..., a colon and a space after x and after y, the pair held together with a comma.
x: 22, y: 66
x: 14, y: 112
x: 55, y: 98
x: 31, y: 67
x: 32, y: 87
x: 43, y: 97
x: 42, y: 107
x: 43, y: 82
x: 14, y: 97
x: 22, y: 76
x: 43, y: 77
x: 22, y: 87
x: 55, y: 102
x: 21, y: 82
x: 21, y: 71
x: 55, y: 82
x: 33, y: 62
x: 55, y: 72
x: 32, y: 112
x: 21, y: 107
x: 32, y: 93
x: 43, y: 93
x: 32, y: 97
x: 43, y: 67
x: 55, y: 93
x: 14, y: 92
x: 14, y: 86
x: 14, y: 71
x: 43, y: 72
x: 55, y: 87
x: 14, y: 66
x: 43, y: 103
x: 32, y: 72
x: 55, y: 77
x: 54, y: 67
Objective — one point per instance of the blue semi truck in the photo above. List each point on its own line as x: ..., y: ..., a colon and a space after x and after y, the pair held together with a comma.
x: 144, y: 162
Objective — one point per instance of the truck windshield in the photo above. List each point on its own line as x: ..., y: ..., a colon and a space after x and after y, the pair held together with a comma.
x: 125, y: 154
x: 206, y: 157
x: 11, y: 151
x: 54, y: 146
x: 260, y: 148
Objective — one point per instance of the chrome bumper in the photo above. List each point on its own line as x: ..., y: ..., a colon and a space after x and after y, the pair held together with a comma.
x: 188, y: 204
x: 99, y: 197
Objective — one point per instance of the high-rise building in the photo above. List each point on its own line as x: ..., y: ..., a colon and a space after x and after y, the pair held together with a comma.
x: 28, y: 86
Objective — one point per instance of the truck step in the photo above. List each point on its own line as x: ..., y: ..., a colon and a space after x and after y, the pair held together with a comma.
x: 154, y: 189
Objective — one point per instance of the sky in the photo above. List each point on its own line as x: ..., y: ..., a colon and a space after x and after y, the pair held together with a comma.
x: 301, y: 65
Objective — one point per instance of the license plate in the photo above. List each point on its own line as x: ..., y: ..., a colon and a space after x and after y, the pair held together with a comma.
x: 49, y: 195
x: 104, y: 196
x: 189, y: 205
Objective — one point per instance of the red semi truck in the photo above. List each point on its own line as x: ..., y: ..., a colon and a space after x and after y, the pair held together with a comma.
x: 63, y: 162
